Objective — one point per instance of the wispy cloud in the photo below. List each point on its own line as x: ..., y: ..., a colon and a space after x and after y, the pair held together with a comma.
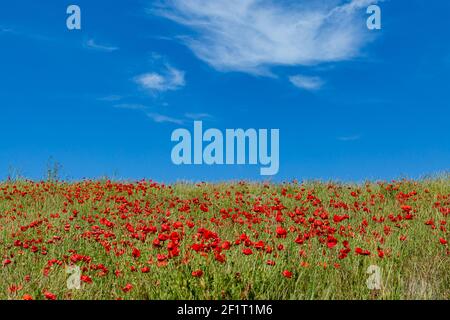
x: 91, y: 44
x: 169, y: 79
x: 254, y: 35
x: 6, y: 30
x: 154, y: 116
x: 110, y: 98
x: 160, y: 118
x: 306, y: 82
x: 157, y: 116
x: 14, y: 31
x: 349, y: 138
x: 198, y: 116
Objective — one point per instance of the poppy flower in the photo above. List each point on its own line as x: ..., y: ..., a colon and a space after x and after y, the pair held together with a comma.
x: 442, y: 241
x: 226, y: 245
x: 13, y: 288
x: 408, y: 216
x: 338, y: 218
x: 406, y: 209
x: 287, y: 274
x: 247, y: 251
x: 86, y: 279
x: 161, y: 257
x: 270, y: 262
x: 197, y: 273
x: 136, y: 253
x: 362, y: 252
x: 331, y: 242
x: 220, y: 257
x: 49, y: 296
x: 156, y: 243
x: 127, y: 287
x: 6, y: 262
x: 27, y: 297
x: 190, y: 224
x: 259, y: 245
x: 281, y: 232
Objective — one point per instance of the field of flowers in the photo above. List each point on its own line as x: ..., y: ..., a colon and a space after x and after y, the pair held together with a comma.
x: 145, y: 240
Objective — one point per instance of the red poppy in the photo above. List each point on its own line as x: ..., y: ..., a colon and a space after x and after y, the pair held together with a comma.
x: 220, y: 257
x: 287, y: 274
x: 6, y: 262
x: 362, y: 252
x: 226, y: 245
x: 407, y: 209
x: 49, y: 296
x: 161, y: 257
x: 13, y: 288
x: 136, y: 253
x: 86, y: 279
x: 331, y: 242
x: 127, y: 287
x: 197, y: 273
x: 270, y: 262
x: 247, y: 251
x: 337, y: 218
x: 281, y: 232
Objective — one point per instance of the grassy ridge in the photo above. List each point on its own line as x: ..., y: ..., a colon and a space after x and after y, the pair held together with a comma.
x: 145, y: 240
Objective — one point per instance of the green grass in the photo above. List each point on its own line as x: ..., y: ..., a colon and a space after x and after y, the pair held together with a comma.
x: 413, y: 268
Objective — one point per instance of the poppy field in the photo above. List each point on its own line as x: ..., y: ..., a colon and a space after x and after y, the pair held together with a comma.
x: 241, y: 240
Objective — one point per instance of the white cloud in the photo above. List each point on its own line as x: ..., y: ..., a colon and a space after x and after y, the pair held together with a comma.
x: 307, y: 83
x: 91, y: 44
x: 24, y: 33
x: 198, y: 116
x: 169, y: 79
x: 254, y: 35
x: 160, y: 118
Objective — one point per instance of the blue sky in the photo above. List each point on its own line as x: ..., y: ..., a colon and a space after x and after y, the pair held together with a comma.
x: 351, y: 104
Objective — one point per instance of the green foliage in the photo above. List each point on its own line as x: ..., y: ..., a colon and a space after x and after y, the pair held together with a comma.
x: 53, y: 220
